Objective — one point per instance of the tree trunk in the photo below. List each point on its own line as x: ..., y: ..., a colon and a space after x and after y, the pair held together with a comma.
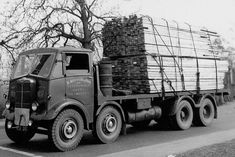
x: 87, y: 45
x: 84, y: 18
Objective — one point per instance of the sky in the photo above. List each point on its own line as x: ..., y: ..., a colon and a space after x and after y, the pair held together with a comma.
x: 217, y: 15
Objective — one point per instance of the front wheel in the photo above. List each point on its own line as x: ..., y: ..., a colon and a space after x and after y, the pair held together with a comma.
x: 19, y: 136
x: 67, y: 130
x: 184, y: 116
x: 108, y: 125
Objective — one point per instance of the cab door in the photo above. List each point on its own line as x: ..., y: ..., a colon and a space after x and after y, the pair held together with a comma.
x: 79, y: 82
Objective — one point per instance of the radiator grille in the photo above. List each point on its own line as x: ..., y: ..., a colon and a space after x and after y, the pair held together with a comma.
x: 25, y: 91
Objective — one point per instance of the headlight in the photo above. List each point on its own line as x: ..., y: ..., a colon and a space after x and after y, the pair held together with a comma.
x: 35, y: 106
x: 8, y: 105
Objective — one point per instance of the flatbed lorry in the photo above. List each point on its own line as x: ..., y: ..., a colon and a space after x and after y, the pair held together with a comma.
x: 59, y: 92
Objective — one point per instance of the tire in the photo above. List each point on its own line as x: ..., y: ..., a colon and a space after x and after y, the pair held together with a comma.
x: 66, y: 130
x: 108, y: 125
x: 20, y: 137
x: 141, y: 124
x: 183, y: 118
x: 204, y: 116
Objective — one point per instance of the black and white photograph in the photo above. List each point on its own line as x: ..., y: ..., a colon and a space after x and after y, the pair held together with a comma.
x: 117, y: 78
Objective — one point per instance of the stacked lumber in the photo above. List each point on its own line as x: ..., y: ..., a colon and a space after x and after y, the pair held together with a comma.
x: 148, y: 55
x: 123, y: 36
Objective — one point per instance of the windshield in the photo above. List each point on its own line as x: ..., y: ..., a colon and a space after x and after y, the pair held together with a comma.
x: 33, y: 64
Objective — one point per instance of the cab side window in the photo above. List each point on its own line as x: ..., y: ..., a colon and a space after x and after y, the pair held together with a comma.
x: 76, y: 64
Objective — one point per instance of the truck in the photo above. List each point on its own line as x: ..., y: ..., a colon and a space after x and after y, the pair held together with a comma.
x: 60, y: 92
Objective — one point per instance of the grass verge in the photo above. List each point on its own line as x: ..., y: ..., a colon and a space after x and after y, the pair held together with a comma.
x: 226, y: 149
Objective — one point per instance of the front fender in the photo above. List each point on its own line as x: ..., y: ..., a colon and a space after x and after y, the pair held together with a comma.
x: 8, y: 115
x: 68, y: 103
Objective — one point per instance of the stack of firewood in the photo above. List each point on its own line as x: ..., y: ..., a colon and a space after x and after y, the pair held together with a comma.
x: 147, y: 55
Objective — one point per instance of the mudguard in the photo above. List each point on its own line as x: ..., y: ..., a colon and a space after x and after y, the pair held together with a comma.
x: 68, y: 103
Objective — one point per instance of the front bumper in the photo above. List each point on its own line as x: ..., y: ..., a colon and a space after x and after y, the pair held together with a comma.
x: 22, y: 116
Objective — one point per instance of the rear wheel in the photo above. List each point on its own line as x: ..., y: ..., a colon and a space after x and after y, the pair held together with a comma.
x: 67, y: 130
x: 19, y: 136
x: 108, y: 125
x: 184, y: 116
x: 205, y: 114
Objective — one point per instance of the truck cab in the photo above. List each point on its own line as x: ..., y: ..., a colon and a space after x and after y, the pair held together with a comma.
x: 45, y: 82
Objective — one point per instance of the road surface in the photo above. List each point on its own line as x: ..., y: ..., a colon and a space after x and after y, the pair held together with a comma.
x: 147, y: 142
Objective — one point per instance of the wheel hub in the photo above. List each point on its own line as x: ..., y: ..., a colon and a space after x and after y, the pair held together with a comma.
x: 69, y: 129
x: 184, y: 114
x: 110, y: 123
x: 206, y: 112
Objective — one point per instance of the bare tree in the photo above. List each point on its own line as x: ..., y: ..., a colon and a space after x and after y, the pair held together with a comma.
x: 5, y: 44
x: 46, y: 23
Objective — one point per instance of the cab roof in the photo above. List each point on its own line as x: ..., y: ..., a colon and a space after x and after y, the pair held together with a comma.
x: 55, y: 50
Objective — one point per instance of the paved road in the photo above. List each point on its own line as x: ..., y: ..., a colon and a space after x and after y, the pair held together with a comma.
x: 151, y: 139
